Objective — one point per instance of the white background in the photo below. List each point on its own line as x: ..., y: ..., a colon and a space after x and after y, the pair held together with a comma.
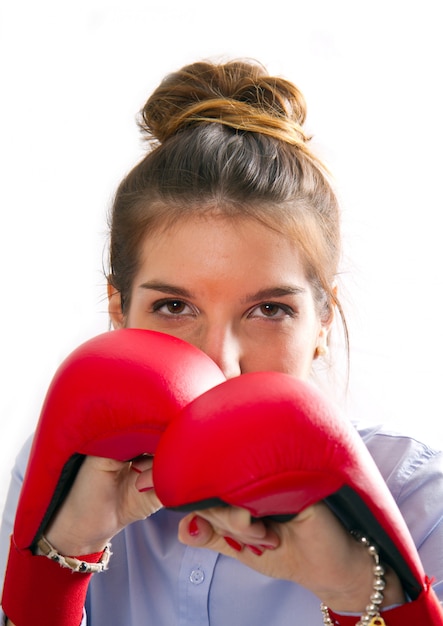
x: 73, y: 76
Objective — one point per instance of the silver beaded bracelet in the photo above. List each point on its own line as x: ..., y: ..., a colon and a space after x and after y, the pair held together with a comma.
x: 70, y: 562
x: 371, y: 616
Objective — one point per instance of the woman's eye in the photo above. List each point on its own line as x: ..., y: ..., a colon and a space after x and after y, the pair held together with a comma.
x: 272, y: 310
x: 172, y: 307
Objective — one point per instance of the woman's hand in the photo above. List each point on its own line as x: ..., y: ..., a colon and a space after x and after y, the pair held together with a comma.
x: 106, y: 496
x: 313, y: 550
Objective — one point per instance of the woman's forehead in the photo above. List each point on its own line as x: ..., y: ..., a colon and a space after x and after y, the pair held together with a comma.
x: 221, y: 249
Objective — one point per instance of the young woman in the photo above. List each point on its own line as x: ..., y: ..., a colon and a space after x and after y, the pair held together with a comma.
x: 227, y: 235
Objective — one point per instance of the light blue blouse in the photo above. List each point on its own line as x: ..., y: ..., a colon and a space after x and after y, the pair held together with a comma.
x: 153, y: 580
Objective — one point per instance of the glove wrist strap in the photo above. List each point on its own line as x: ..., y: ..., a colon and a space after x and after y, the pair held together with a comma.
x: 38, y: 591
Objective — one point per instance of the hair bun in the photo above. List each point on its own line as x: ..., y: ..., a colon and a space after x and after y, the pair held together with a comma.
x: 239, y: 94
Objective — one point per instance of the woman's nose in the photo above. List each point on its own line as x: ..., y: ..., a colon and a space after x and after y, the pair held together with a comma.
x: 223, y: 347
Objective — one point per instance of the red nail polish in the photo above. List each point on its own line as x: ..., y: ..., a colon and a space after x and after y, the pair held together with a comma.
x: 193, y: 528
x: 234, y: 544
x: 145, y: 489
x: 255, y: 550
x: 135, y: 469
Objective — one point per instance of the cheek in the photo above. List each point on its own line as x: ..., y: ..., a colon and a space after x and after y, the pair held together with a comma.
x: 286, y: 354
x: 298, y: 361
x: 299, y: 364
x: 136, y: 318
x: 137, y: 314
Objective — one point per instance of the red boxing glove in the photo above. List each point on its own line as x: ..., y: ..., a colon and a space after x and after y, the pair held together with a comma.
x: 272, y: 444
x: 112, y: 397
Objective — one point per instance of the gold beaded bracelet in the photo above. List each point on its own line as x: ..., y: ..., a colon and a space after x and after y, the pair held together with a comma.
x: 371, y: 616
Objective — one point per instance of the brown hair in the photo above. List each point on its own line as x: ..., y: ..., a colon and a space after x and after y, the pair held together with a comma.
x: 228, y: 139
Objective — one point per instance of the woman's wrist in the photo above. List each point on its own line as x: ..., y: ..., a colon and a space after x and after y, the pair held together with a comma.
x: 355, y: 601
x: 371, y: 581
x: 73, y: 540
x: 70, y: 545
x: 385, y: 591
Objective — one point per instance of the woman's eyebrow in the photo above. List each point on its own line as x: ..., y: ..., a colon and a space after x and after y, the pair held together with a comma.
x: 275, y: 292
x: 174, y: 290
x: 267, y: 293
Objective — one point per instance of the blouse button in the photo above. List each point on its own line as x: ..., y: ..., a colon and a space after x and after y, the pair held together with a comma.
x: 197, y: 576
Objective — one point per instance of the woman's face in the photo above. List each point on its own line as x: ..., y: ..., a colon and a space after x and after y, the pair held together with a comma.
x: 235, y: 289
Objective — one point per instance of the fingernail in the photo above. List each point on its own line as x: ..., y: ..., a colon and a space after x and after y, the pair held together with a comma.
x: 234, y: 544
x: 255, y: 550
x: 135, y: 469
x: 193, y: 528
x: 143, y: 489
x: 267, y: 546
